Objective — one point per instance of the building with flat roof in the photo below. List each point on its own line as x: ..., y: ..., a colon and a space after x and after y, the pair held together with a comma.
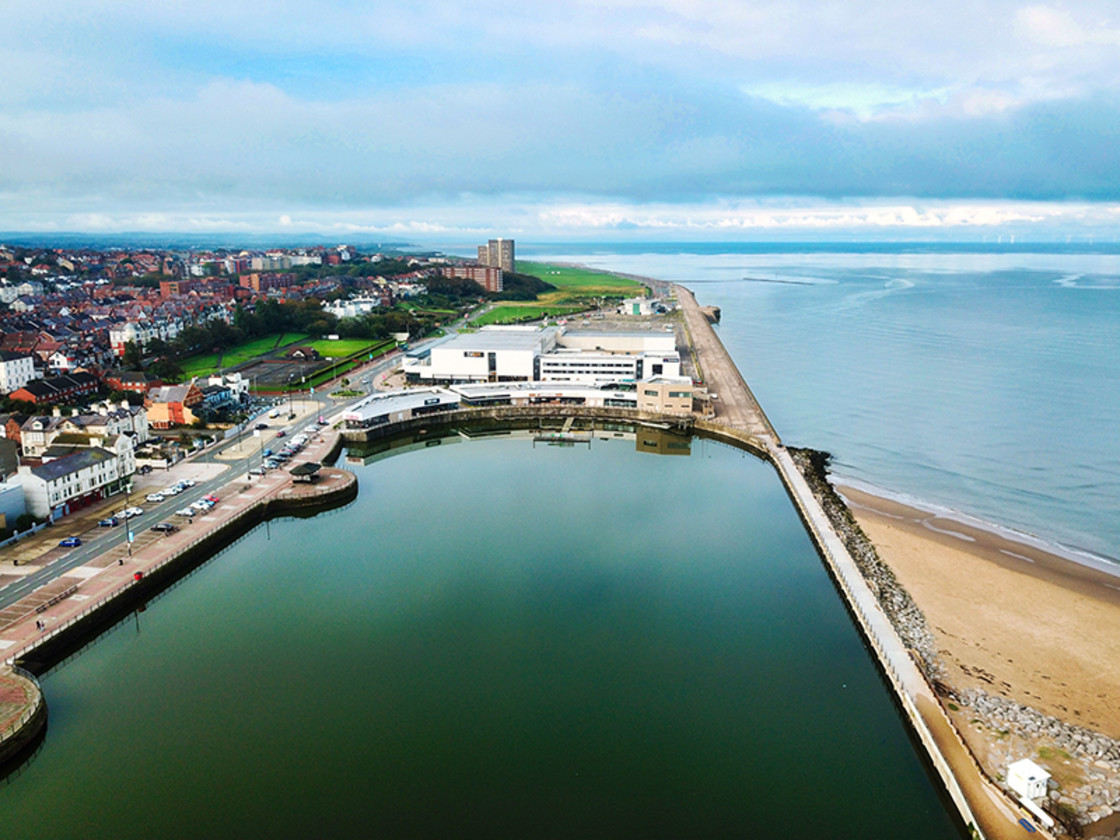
x: 551, y: 354
x: 396, y: 406
x: 497, y: 253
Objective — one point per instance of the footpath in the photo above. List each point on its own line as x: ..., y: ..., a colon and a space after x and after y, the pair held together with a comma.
x: 982, y: 805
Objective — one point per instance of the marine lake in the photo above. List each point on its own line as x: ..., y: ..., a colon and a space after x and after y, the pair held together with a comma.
x: 497, y: 639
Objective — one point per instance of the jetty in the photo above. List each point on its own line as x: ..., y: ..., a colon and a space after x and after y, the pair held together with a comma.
x: 984, y: 808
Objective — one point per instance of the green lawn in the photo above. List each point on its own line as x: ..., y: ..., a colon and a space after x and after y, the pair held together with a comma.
x: 208, y: 363
x: 512, y: 313
x: 343, y: 347
x: 581, y: 281
x: 199, y: 365
x: 291, y: 338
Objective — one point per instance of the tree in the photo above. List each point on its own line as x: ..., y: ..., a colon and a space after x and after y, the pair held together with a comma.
x: 131, y: 359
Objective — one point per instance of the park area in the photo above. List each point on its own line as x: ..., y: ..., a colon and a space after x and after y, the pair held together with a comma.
x: 265, y: 360
x: 577, y: 290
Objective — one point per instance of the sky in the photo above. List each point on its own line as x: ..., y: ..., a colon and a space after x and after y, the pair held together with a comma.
x: 613, y: 119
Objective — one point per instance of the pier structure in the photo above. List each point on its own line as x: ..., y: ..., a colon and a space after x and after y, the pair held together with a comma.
x: 986, y: 811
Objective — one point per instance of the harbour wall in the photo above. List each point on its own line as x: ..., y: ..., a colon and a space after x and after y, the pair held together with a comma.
x: 70, y: 635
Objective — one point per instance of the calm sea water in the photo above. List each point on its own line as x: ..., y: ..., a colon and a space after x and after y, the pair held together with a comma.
x: 982, y: 381
x: 499, y: 641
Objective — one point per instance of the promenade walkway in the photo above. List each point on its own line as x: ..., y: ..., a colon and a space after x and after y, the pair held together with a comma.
x: 980, y: 803
x: 52, y: 608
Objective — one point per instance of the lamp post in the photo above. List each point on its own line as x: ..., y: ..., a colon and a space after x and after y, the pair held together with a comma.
x: 127, y: 523
x: 290, y: 412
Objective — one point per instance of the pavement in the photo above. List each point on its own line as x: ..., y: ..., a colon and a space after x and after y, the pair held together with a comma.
x: 732, y: 400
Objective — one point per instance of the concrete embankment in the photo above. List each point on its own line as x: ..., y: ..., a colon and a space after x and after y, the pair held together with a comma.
x: 336, y: 488
x: 521, y: 416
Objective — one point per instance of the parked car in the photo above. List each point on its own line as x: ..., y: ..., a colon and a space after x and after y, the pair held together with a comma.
x: 187, y: 483
x: 111, y: 522
x: 133, y: 511
x: 165, y: 527
x: 185, y: 512
x: 173, y: 491
x: 155, y: 497
x: 201, y: 505
x: 257, y: 471
x: 281, y: 433
x: 70, y: 542
x: 262, y: 425
x: 210, y: 497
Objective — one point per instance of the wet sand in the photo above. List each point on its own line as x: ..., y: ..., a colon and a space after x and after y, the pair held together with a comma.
x: 1010, y: 617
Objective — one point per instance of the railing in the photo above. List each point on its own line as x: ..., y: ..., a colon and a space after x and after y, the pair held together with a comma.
x: 129, y: 584
x: 15, y: 726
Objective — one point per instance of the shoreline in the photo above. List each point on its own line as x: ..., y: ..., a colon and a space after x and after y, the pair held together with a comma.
x: 1010, y: 618
x: 1107, y: 566
x: 1012, y: 550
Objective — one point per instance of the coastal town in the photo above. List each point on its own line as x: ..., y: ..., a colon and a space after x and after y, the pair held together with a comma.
x: 125, y: 385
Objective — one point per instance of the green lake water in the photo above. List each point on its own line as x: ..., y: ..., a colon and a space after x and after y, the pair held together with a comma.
x: 495, y: 640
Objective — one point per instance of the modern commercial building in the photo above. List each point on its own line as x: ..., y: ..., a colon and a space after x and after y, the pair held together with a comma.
x: 497, y: 253
x: 552, y: 354
x: 396, y: 406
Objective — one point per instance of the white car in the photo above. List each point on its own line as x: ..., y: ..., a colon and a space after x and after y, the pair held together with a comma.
x: 133, y: 511
x: 185, y: 512
x: 173, y: 491
x: 201, y: 506
x: 188, y: 482
x: 155, y: 497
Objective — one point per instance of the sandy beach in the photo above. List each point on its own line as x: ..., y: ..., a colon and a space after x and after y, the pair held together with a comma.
x: 1010, y: 617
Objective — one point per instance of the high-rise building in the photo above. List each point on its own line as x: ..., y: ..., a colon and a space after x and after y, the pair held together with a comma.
x: 497, y: 253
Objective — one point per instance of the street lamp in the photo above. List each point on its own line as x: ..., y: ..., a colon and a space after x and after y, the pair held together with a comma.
x: 290, y: 412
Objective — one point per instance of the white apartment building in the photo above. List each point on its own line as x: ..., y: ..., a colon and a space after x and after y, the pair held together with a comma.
x: 15, y: 371
x: 63, y: 485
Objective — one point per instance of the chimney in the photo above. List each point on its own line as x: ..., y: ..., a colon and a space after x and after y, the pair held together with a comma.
x: 56, y: 412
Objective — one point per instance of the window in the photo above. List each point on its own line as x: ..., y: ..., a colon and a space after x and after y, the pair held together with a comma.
x: 651, y: 393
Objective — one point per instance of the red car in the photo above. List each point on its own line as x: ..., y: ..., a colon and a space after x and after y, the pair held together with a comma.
x: 212, y: 498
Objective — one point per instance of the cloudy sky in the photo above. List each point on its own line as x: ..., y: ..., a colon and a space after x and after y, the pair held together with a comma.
x: 685, y: 119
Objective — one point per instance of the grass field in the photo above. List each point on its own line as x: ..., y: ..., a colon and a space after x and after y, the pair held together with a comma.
x: 343, y: 347
x: 207, y: 363
x: 199, y: 365
x: 579, y: 282
x: 512, y: 313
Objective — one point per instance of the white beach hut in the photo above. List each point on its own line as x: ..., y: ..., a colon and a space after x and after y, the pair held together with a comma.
x: 1027, y: 779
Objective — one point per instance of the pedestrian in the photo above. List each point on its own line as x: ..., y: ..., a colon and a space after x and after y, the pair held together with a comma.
x: 120, y: 561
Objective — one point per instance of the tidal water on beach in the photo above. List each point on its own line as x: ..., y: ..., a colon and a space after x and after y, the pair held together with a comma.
x: 979, y: 380
x: 497, y: 639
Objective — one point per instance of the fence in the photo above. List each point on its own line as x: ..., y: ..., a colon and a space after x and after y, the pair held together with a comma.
x: 130, y: 584
x: 14, y: 538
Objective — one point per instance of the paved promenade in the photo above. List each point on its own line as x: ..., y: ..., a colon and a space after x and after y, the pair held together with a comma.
x: 979, y: 802
x: 44, y: 611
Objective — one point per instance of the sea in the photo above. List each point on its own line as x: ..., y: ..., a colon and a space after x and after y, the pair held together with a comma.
x: 980, y: 381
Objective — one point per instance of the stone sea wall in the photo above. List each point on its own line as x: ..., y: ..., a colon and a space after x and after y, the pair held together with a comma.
x: 1092, y: 782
